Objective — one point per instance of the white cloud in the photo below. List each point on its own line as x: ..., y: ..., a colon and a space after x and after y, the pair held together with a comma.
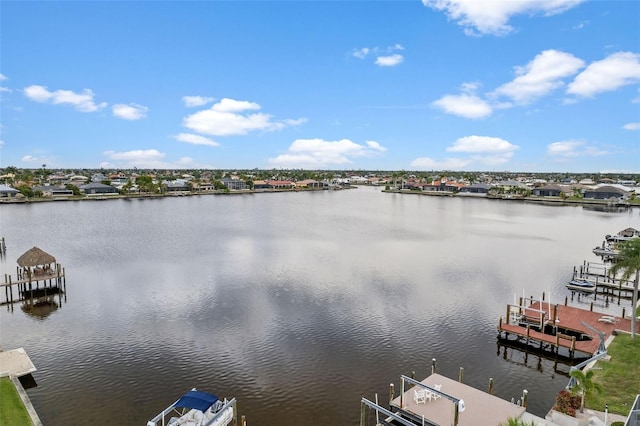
x: 376, y: 146
x: 540, y: 76
x: 616, y: 70
x: 483, y: 150
x: 580, y: 26
x: 3, y: 78
x: 81, y: 101
x: 466, y: 105
x: 195, y: 139
x: 34, y: 159
x: 385, y: 57
x: 1, y: 143
x: 573, y: 148
x: 631, y: 126
x: 492, y: 17
x: 361, y: 53
x: 426, y: 163
x: 230, y: 117
x: 137, y: 154
x: 147, y: 159
x: 482, y: 144
x: 130, y: 112
x: 318, y: 153
x: 195, y: 101
x: 389, y: 61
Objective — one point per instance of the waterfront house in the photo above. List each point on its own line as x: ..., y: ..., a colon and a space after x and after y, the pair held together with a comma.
x: 234, y: 184
x: 309, y: 183
x: 509, y: 185
x: 282, y: 184
x: 606, y: 192
x: 442, y: 185
x: 261, y: 185
x: 57, y: 180
x: 96, y: 188
x: 548, y: 191
x: 178, y: 185
x: 53, y: 191
x: 8, y: 192
x: 78, y: 180
x: 203, y: 186
x: 477, y: 189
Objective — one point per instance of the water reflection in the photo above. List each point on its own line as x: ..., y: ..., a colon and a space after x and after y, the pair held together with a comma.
x: 41, y: 306
x: 263, y: 297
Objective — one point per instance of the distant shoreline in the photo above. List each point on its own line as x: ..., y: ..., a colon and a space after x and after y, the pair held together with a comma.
x: 530, y: 199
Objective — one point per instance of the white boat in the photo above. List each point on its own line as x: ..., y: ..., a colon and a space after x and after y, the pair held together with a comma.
x: 581, y: 285
x: 605, y: 251
x: 197, y: 408
x: 624, y: 235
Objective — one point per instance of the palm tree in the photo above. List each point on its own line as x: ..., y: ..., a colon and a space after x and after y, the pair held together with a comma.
x: 513, y: 421
x: 584, y: 385
x: 629, y: 263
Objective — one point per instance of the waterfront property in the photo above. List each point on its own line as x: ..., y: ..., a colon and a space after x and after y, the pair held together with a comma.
x: 16, y: 405
x: 439, y: 400
x: 8, y: 192
x: 598, y: 275
x: 319, y: 284
x: 96, y: 188
x: 553, y: 327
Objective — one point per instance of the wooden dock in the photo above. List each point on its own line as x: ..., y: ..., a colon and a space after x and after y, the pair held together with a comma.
x: 559, y: 326
x: 29, y: 284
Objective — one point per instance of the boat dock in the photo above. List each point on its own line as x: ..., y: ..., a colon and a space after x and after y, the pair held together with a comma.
x: 599, y: 274
x: 28, y: 285
x: 558, y: 326
x: 439, y: 400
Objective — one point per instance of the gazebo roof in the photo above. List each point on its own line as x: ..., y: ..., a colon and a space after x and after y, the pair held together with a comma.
x: 35, y: 257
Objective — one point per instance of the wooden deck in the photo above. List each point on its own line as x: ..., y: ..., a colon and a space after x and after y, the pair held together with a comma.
x: 481, y: 408
x: 569, y: 322
x: 53, y: 279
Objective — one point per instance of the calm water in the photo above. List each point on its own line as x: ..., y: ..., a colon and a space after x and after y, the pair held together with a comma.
x: 298, y: 304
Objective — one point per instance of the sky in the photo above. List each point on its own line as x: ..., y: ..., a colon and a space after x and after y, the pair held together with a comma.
x: 461, y: 85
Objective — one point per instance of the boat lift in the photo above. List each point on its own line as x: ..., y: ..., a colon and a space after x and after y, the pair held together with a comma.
x: 600, y: 353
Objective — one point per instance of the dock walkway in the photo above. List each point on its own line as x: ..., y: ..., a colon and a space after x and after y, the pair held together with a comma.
x: 566, y: 325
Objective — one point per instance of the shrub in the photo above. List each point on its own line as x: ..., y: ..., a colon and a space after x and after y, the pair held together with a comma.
x: 567, y: 403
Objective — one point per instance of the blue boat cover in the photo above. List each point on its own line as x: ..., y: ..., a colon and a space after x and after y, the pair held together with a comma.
x: 197, y: 399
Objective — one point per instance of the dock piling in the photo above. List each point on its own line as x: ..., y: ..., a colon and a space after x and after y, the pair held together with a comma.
x: 491, y: 386
x: 461, y: 374
x: 524, y: 398
x: 390, y: 393
x: 433, y: 365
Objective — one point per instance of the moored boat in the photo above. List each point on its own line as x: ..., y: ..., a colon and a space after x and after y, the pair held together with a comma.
x: 605, y: 251
x: 197, y: 408
x: 581, y: 285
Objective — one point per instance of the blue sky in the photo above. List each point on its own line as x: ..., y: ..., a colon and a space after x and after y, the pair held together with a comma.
x: 524, y: 85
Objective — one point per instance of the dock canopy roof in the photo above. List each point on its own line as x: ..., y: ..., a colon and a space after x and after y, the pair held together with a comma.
x: 35, y: 257
x: 197, y: 399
